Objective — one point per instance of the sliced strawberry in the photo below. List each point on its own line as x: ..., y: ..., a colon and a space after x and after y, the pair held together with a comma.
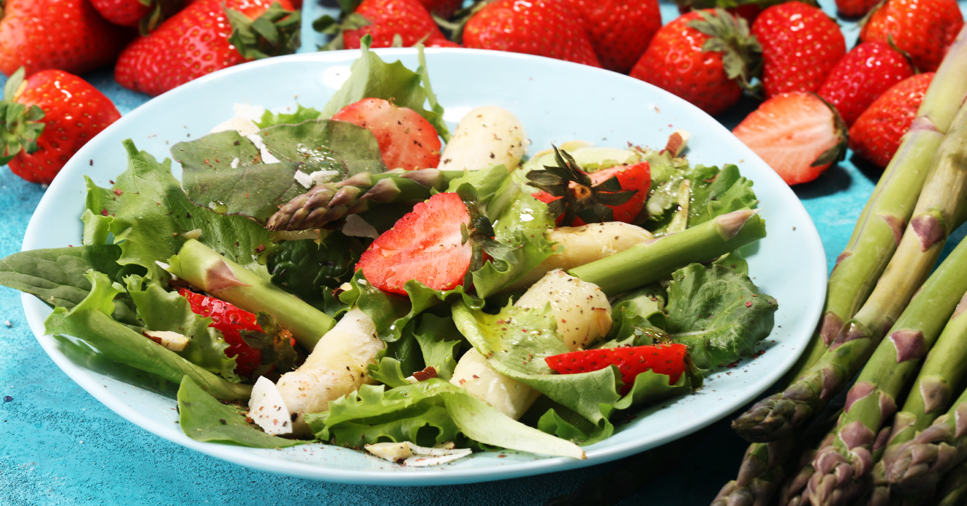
x: 797, y: 134
x: 876, y: 134
x: 405, y: 138
x: 230, y: 321
x: 666, y: 359
x: 425, y: 245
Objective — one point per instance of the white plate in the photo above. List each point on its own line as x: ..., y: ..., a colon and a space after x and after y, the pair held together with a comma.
x: 557, y: 101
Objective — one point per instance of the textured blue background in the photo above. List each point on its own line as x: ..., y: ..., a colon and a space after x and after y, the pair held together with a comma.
x: 59, y: 446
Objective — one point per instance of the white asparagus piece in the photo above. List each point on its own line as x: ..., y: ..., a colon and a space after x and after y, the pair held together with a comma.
x: 336, y: 367
x: 583, y: 315
x: 504, y: 393
x: 581, y: 309
x: 486, y: 136
x: 577, y: 246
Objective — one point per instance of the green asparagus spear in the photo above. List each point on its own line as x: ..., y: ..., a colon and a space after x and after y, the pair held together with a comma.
x: 327, y: 203
x: 842, y: 469
x: 650, y: 261
x: 874, y: 240
x: 953, y: 489
x: 205, y: 269
x: 917, y: 465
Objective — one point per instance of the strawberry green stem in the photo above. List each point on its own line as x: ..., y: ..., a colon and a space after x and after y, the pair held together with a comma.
x: 205, y: 269
x: 650, y: 261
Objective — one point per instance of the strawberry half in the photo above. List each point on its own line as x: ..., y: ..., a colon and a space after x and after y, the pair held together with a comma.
x: 575, y: 197
x: 425, y: 245
x: 230, y: 321
x: 666, y: 359
x: 405, y: 138
x: 798, y: 134
x: 876, y: 134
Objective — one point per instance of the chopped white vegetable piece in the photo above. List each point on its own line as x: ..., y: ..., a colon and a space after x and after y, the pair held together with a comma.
x: 192, y: 234
x: 267, y: 408
x: 171, y: 340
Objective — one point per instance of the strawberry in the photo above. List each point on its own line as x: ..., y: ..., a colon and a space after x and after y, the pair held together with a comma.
x: 631, y: 361
x: 867, y: 71
x: 425, y: 245
x: 46, y: 119
x: 442, y: 8
x: 144, y: 14
x: 615, y: 194
x: 405, y: 138
x: 800, y: 46
x: 797, y: 134
x: 854, y: 8
x: 924, y: 29
x: 620, y: 30
x: 704, y: 57
x: 255, y: 352
x: 386, y: 19
x: 206, y: 36
x: 875, y: 136
x: 68, y: 35
x: 539, y: 27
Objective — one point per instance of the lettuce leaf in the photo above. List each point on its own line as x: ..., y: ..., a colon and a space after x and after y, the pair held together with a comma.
x: 162, y: 310
x: 91, y: 321
x: 148, y: 213
x: 713, y: 192
x: 373, y: 78
x: 301, y: 114
x: 718, y: 313
x: 374, y: 406
x: 225, y: 169
x: 638, y: 318
x: 203, y: 418
x: 57, y: 276
x: 310, y: 269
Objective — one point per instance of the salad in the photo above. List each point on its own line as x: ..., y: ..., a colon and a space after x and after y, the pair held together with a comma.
x: 476, y: 300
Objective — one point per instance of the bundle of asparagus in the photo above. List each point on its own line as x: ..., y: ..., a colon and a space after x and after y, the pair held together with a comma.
x: 848, y: 334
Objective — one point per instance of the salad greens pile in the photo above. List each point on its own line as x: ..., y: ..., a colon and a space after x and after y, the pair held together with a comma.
x: 148, y: 225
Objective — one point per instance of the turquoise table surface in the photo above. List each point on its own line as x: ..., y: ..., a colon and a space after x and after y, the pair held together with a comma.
x: 59, y: 446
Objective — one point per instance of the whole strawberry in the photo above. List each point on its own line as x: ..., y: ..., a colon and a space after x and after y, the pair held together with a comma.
x: 46, y: 118
x: 924, y: 29
x: 620, y: 30
x: 206, y: 36
x: 861, y: 76
x: 442, y: 8
x: 854, y: 8
x: 144, y: 14
x: 68, y: 35
x: 540, y: 27
x: 384, y: 20
x: 800, y: 46
x: 876, y: 135
x: 704, y: 57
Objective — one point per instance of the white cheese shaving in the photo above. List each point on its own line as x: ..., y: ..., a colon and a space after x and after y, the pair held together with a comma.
x: 304, y: 179
x: 235, y: 163
x: 358, y: 227
x: 323, y: 176
x: 192, y: 234
x: 266, y: 156
x: 244, y: 127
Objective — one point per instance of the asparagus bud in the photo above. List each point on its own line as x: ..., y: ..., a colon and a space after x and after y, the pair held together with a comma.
x: 327, y: 203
